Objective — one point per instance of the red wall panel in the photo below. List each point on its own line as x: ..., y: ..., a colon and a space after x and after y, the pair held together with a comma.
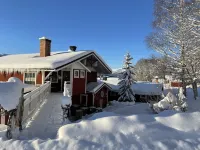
x: 98, y: 97
x: 91, y: 77
x: 6, y: 76
x: 176, y: 84
x: 39, y: 78
x: 78, y: 88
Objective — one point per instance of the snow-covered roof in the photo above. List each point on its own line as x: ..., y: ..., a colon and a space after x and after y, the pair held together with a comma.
x: 20, y: 62
x: 140, y: 88
x: 147, y: 88
x: 93, y: 87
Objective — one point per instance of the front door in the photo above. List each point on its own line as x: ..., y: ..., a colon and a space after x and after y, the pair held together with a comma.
x: 65, y: 77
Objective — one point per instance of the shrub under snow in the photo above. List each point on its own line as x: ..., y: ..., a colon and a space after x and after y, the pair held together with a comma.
x: 10, y: 93
x: 171, y: 102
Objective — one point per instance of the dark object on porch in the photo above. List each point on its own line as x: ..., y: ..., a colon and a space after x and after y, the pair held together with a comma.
x: 79, y: 114
x: 73, y: 109
x: 85, y: 110
x: 92, y: 110
x: 55, y: 81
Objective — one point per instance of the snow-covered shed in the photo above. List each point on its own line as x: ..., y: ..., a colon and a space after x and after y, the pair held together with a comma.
x: 142, y: 90
x: 97, y: 94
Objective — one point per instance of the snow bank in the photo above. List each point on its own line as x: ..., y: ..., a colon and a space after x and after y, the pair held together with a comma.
x: 128, y: 108
x: 111, y: 131
x: 185, y: 122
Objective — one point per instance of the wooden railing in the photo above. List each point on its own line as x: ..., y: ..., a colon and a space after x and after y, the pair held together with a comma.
x: 34, y: 99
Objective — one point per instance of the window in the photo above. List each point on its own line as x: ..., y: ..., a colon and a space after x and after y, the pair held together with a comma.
x: 76, y: 73
x: 29, y: 78
x: 82, y: 74
x: 102, y: 94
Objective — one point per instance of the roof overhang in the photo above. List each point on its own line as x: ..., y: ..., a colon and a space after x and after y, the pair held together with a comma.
x: 99, y: 87
x: 107, y: 69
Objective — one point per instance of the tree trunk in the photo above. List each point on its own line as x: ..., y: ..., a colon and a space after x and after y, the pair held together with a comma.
x: 183, y: 81
x: 195, y: 91
x: 184, y: 88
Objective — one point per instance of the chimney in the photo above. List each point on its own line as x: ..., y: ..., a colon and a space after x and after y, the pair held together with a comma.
x: 72, y: 49
x: 45, y: 47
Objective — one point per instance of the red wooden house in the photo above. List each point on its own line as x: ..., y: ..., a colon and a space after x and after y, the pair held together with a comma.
x: 79, y: 68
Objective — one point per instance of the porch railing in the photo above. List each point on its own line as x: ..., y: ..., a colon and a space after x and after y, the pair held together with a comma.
x: 34, y: 99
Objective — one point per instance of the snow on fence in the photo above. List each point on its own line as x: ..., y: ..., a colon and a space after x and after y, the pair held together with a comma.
x: 34, y: 99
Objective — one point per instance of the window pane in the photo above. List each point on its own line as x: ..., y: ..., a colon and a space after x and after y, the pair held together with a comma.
x: 29, y: 78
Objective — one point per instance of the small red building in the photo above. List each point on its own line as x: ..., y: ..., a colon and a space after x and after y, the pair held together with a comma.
x: 79, y: 68
x: 98, y: 94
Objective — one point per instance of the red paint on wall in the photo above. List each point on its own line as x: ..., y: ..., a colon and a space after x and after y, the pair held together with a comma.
x: 91, y: 77
x: 78, y: 88
x: 99, y: 97
x: 176, y: 84
x: 6, y: 76
x: 4, y: 118
x: 39, y: 78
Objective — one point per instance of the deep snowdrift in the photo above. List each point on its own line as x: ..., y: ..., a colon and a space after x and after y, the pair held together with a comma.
x: 10, y: 93
x: 165, y: 131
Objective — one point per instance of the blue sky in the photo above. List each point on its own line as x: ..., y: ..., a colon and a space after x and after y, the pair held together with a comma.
x: 111, y: 27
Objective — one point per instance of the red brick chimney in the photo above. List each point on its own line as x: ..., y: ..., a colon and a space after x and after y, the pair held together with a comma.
x: 45, y: 47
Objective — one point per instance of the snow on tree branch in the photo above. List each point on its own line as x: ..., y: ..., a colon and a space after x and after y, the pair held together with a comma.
x: 126, y: 80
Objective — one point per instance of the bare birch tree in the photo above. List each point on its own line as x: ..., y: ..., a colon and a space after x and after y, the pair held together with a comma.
x: 176, y: 33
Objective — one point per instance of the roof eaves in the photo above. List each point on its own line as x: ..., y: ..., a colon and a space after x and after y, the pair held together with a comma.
x: 84, y: 67
x: 58, y: 68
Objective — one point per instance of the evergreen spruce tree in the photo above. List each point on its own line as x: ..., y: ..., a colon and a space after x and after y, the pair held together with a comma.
x: 126, y: 80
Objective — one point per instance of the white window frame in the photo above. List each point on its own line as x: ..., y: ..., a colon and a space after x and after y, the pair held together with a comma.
x: 29, y: 73
x: 76, y: 76
x: 81, y: 75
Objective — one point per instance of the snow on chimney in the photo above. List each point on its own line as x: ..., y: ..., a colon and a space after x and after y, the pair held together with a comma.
x: 45, y: 47
x: 72, y: 49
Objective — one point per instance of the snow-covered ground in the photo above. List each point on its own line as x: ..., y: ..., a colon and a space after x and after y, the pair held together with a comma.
x: 119, y: 126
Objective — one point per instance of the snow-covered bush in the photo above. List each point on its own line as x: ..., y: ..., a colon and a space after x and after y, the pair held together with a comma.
x: 171, y: 102
x: 10, y: 92
x: 126, y: 81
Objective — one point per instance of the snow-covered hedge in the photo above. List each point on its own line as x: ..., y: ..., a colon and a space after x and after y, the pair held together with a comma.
x: 171, y: 102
